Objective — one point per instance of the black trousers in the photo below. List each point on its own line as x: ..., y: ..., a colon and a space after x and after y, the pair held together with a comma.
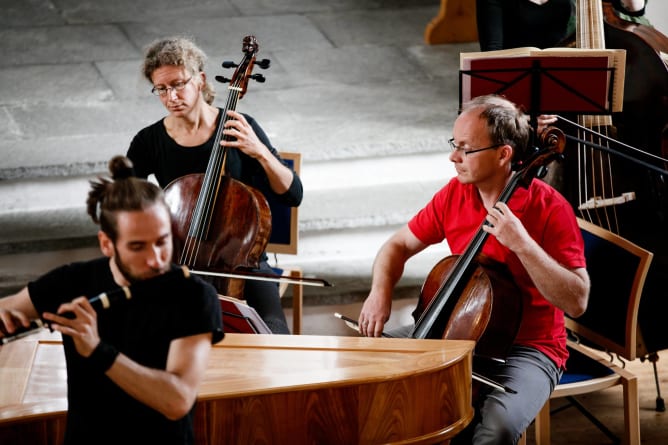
x: 264, y: 298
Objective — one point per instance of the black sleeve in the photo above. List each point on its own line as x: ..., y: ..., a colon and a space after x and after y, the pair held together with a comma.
x: 202, y: 313
x: 294, y: 195
x: 140, y: 154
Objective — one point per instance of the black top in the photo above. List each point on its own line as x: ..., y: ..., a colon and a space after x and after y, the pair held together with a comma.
x: 506, y: 24
x: 153, y: 151
x: 142, y: 328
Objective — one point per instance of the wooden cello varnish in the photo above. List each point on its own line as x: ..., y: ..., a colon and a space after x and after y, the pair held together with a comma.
x: 218, y: 222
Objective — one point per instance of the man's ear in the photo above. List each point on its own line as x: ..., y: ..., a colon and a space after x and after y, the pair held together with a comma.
x: 106, y: 244
x: 506, y: 153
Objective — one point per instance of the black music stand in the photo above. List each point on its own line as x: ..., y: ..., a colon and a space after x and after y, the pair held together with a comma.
x: 543, y: 84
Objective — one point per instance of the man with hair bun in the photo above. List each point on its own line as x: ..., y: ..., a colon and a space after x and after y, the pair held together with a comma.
x: 134, y: 369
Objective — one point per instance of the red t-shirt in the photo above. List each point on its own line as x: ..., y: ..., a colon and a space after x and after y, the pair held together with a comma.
x: 455, y: 214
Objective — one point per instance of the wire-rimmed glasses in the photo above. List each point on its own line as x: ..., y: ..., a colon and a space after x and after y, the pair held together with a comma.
x: 468, y: 151
x: 176, y: 86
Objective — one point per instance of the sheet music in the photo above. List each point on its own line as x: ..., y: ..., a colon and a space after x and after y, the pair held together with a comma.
x: 610, y: 72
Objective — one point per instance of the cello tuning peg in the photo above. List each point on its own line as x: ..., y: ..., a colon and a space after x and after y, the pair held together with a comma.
x: 222, y: 79
x: 264, y: 63
x: 259, y: 77
x: 228, y: 64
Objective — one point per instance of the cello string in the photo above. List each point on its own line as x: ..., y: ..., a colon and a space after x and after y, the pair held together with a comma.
x: 617, y: 142
x: 606, y: 174
x: 595, y: 177
x: 203, y: 209
x: 203, y: 212
x: 240, y: 223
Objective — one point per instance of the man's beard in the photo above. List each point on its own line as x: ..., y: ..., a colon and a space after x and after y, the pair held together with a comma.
x: 125, y: 271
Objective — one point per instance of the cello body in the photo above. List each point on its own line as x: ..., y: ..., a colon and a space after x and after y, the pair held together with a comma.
x: 241, y: 226
x: 488, y: 310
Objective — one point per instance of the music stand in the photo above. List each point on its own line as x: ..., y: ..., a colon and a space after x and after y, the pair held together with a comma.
x: 549, y: 82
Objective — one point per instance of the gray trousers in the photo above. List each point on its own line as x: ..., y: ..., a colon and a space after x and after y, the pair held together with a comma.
x: 501, y: 417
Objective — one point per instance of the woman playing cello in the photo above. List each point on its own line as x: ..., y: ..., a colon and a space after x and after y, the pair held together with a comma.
x: 181, y: 144
x: 535, y: 235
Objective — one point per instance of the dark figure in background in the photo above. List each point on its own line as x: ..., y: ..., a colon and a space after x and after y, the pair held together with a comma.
x: 504, y: 24
x: 133, y: 370
x: 535, y: 236
x: 181, y: 143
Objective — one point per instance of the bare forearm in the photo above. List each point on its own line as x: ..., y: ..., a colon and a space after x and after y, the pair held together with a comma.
x: 161, y: 390
x: 566, y: 289
x: 387, y: 269
x: 173, y: 391
x: 280, y: 177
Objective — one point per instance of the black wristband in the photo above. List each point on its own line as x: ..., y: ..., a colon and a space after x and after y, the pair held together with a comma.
x: 103, y: 357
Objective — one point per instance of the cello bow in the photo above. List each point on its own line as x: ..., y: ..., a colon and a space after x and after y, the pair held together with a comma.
x: 239, y: 274
x: 354, y: 325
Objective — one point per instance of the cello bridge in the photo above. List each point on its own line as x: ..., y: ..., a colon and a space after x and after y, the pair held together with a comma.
x: 597, y: 202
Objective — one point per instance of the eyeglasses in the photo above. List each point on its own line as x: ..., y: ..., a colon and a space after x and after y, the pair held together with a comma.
x: 454, y: 147
x: 177, y: 86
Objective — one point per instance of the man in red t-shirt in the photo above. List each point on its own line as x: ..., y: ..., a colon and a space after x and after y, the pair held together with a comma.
x: 535, y: 235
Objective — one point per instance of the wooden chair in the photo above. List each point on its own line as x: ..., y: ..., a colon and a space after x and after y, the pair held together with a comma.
x: 284, y: 240
x: 617, y: 269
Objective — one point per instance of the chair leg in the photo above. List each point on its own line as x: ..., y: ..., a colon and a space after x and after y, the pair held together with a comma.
x: 542, y: 425
x: 297, y: 302
x: 631, y: 412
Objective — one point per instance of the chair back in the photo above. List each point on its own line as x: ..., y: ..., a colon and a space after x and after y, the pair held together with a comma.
x: 617, y: 269
x: 284, y: 219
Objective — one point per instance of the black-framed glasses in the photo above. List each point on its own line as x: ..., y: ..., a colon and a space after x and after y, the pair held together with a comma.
x: 176, y: 86
x: 466, y: 151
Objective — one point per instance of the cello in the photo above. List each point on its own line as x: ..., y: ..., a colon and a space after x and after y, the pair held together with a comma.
x: 624, y: 197
x: 468, y: 296
x: 228, y: 226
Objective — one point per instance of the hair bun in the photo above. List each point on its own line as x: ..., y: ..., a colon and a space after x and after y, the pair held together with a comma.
x: 121, y: 168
